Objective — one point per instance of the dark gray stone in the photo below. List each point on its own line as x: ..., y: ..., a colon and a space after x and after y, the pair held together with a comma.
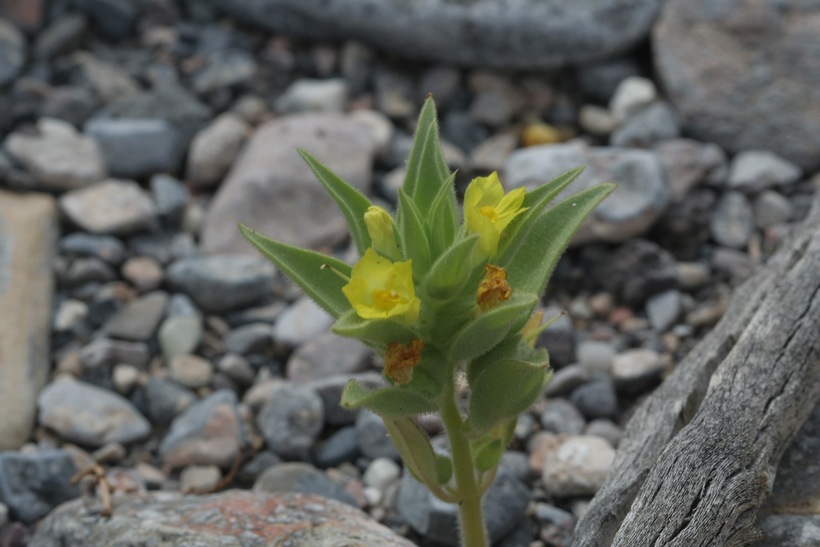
x: 115, y: 19
x: 105, y: 353
x: 732, y: 222
x: 561, y: 416
x: 222, y: 283
x: 654, y: 123
x: 170, y: 195
x: 138, y: 320
x: 372, y: 437
x: 505, y: 34
x: 596, y: 398
x: 12, y: 52
x: 252, y: 338
x: 340, y: 447
x: 107, y: 248
x: 637, y: 270
x: 32, y: 484
x: 166, y: 400
x: 744, y: 74
x: 136, y: 148
x: 291, y: 421
x: 60, y: 37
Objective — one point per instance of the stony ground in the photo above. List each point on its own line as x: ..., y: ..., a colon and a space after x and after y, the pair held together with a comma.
x: 137, y: 133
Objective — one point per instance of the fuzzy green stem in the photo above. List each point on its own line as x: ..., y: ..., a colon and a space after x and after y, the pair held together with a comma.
x: 468, y: 490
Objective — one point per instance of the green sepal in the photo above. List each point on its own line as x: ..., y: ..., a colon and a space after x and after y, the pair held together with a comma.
x: 503, y: 390
x: 308, y: 269
x: 514, y: 347
x: 444, y: 214
x: 374, y: 332
x: 489, y: 454
x: 426, y: 167
x: 352, y: 203
x: 414, y: 447
x: 451, y: 270
x: 532, y: 252
x: 387, y: 402
x: 413, y: 241
x: 430, y: 375
x: 491, y: 327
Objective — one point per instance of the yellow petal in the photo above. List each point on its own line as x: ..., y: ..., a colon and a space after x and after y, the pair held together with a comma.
x: 379, y: 289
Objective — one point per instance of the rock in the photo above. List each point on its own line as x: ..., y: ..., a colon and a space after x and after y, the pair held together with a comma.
x: 28, y: 16
x: 12, y: 52
x: 330, y: 390
x: 663, y: 309
x: 596, y: 120
x: 596, y: 398
x: 791, y: 530
x: 326, y: 355
x: 372, y: 437
x: 631, y: 95
x: 577, y: 466
x: 525, y: 35
x: 338, y: 448
x: 34, y: 483
x: 191, y: 371
x: 58, y: 156
x: 743, y: 74
x: 115, y: 19
x: 771, y: 208
x: 236, y: 368
x: 382, y: 473
x: 89, y: 415
x: 491, y: 154
x: 165, y: 400
x: 732, y: 222
x: 28, y: 241
x: 756, y: 170
x: 208, y: 432
x: 797, y: 484
x: 687, y: 163
x: 138, y: 320
x: 222, y: 283
x: 199, y: 478
x: 630, y: 210
x: 272, y: 190
x: 651, y: 124
x: 291, y: 421
x: 69, y: 315
x: 249, y: 339
x: 214, y: 149
x: 638, y: 269
x: 301, y: 322
x: 692, y: 275
x: 170, y: 195
x: 561, y: 416
x: 135, y: 148
x: 105, y: 353
x: 606, y: 430
x: 595, y: 357
x: 558, y: 337
x: 60, y: 37
x: 307, y: 95
x: 234, y: 518
x: 637, y: 370
x: 125, y: 378
x: 394, y: 94
x: 566, y: 379
x: 143, y: 272
x: 111, y: 207
x: 107, y: 248
x: 109, y: 81
x: 224, y: 69
x: 504, y: 506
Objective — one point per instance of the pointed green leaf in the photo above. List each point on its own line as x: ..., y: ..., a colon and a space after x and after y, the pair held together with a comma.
x: 514, y: 347
x: 426, y: 168
x: 451, y: 270
x: 504, y: 390
x: 491, y: 327
x: 352, y: 203
x: 377, y: 332
x: 387, y: 402
x: 307, y: 269
x: 537, y: 199
x: 414, y: 244
x: 531, y: 254
x: 443, y: 224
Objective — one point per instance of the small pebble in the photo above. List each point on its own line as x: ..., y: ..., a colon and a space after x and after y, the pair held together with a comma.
x: 199, y: 478
x: 191, y: 371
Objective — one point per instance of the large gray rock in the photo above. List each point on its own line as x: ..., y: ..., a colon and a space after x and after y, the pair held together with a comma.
x: 639, y: 200
x: 32, y: 484
x: 273, y: 191
x: 745, y: 73
x: 236, y: 518
x: 500, y: 33
x: 28, y: 242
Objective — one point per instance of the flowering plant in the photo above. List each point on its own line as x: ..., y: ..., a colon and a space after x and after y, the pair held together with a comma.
x: 446, y: 303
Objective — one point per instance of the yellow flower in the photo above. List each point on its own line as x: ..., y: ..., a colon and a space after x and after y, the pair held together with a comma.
x: 487, y: 211
x: 494, y: 289
x: 379, y: 289
x: 380, y: 228
x: 399, y: 360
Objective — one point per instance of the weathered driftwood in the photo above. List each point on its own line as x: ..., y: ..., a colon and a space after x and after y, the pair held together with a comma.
x: 700, y: 454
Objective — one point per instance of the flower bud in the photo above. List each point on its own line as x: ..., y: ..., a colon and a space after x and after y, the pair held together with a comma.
x: 381, y: 229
